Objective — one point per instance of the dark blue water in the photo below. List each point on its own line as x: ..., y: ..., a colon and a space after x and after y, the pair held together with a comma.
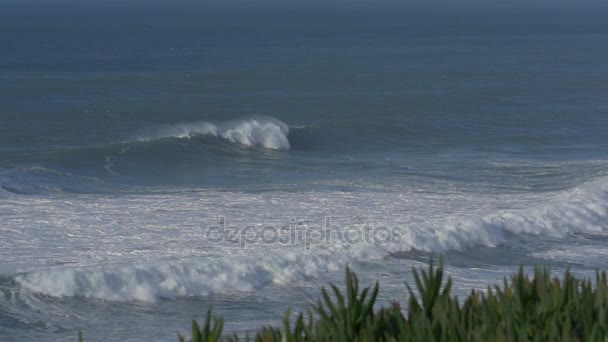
x: 127, y: 129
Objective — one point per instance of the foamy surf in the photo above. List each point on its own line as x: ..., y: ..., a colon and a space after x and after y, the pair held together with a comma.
x: 170, y: 280
x: 558, y: 215
x: 583, y: 209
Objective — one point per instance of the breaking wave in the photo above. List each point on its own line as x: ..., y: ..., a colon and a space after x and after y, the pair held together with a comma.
x: 169, y: 280
x: 264, y: 132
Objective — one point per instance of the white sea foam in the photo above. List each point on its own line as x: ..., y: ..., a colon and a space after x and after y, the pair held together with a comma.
x: 144, y: 232
x: 169, y: 280
x: 581, y: 210
x: 261, y: 131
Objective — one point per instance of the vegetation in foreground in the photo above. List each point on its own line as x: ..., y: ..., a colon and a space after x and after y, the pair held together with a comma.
x: 540, y: 308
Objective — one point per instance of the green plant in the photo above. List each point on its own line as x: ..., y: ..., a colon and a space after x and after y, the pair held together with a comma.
x: 524, y: 308
x: 211, y: 332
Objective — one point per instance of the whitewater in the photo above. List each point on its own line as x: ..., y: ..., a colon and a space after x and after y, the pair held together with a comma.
x: 157, y: 248
x: 158, y: 245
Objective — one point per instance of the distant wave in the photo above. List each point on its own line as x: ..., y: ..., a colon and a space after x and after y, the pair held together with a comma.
x: 265, y: 132
x: 94, y: 168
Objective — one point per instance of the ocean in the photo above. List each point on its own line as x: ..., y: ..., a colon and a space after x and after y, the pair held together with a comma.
x: 159, y: 159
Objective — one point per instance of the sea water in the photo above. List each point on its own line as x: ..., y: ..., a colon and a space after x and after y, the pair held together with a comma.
x: 158, y: 159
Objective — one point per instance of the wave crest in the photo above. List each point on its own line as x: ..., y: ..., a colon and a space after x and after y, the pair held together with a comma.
x: 174, y: 279
x: 264, y: 132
